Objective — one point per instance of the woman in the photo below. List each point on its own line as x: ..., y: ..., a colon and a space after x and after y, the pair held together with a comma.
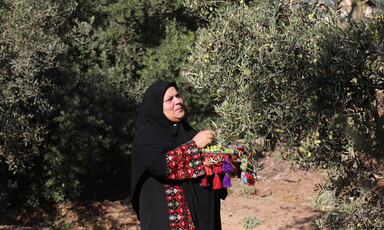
x: 167, y: 166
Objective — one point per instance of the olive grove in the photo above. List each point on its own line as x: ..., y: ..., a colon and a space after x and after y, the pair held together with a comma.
x: 288, y: 76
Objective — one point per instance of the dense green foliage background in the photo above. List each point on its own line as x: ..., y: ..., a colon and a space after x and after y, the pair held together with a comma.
x: 277, y: 76
x: 299, y: 80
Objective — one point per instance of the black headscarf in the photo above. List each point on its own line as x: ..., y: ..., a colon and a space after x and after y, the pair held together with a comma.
x: 155, y: 135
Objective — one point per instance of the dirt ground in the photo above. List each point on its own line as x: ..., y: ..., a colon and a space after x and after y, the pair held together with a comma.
x: 280, y: 199
x: 283, y: 198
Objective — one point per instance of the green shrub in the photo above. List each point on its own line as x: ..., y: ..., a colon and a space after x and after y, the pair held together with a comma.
x: 250, y: 222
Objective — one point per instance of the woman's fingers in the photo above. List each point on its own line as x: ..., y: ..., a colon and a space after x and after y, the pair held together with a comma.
x: 203, y: 138
x: 210, y: 133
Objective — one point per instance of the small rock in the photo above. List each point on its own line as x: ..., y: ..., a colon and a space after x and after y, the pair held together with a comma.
x: 265, y: 193
x: 287, y: 207
x: 292, y: 179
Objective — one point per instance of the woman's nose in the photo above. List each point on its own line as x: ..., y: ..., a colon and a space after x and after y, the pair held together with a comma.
x: 178, y: 100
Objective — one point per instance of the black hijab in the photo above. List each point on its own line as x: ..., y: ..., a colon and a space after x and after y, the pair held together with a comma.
x: 155, y: 135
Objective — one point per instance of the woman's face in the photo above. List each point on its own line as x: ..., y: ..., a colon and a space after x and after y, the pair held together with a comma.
x: 173, y: 107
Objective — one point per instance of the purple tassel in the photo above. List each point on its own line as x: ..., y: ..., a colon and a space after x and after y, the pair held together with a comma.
x: 227, y: 168
x: 227, y: 180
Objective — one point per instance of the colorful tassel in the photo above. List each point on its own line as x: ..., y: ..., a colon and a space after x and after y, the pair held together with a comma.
x: 208, y: 168
x: 250, y: 179
x: 227, y: 168
x: 204, y: 182
x: 216, y: 168
x: 228, y: 163
x: 244, y: 177
x: 217, y: 181
x: 254, y: 176
x: 227, y: 180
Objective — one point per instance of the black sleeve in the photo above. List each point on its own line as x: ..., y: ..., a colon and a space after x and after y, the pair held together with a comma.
x: 158, y: 168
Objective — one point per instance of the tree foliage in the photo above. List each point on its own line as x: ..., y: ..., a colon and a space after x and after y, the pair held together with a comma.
x: 298, y: 79
x: 73, y: 73
x: 29, y: 51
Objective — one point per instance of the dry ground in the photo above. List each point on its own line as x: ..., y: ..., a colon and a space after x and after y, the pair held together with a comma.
x: 280, y: 199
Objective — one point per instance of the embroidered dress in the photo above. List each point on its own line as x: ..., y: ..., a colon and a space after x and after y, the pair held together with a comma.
x: 167, y: 170
x: 183, y: 162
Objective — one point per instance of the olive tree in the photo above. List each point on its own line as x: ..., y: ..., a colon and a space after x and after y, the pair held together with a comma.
x: 295, y: 78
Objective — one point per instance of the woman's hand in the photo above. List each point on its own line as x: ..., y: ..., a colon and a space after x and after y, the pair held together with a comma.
x: 203, y: 138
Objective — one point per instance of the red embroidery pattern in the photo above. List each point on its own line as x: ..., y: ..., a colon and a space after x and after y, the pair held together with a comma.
x: 179, y: 215
x: 184, y: 162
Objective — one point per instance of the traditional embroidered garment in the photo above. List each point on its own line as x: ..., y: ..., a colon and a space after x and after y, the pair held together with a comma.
x: 167, y: 170
x: 183, y: 162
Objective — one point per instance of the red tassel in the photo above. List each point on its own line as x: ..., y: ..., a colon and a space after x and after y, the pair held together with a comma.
x: 208, y: 169
x: 217, y: 182
x: 217, y: 168
x: 250, y: 178
x: 204, y: 182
